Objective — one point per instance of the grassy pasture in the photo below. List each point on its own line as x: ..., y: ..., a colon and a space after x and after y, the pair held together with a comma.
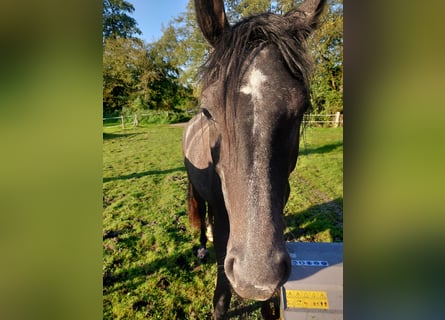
x: 150, y: 270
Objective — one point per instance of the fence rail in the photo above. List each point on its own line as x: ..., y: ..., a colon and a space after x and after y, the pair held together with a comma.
x: 335, y: 120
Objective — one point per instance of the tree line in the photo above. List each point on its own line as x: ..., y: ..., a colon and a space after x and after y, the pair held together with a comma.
x: 162, y: 76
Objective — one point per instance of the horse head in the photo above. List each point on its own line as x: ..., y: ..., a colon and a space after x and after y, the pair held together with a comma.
x: 255, y: 91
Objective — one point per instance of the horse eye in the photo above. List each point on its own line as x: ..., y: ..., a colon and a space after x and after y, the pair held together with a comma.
x: 207, y: 113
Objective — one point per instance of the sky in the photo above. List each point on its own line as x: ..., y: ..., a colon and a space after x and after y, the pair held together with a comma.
x: 152, y: 14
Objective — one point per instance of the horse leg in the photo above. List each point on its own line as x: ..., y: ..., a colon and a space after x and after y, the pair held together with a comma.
x: 197, y: 216
x: 222, y: 293
x: 202, y: 252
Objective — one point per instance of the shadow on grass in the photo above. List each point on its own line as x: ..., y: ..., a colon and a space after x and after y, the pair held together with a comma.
x: 323, y: 149
x: 143, y: 174
x: 316, y: 219
x: 165, y: 273
x: 108, y: 136
x: 242, y: 309
x: 179, y: 264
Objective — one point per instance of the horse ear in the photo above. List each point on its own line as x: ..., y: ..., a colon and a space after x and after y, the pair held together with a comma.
x: 211, y: 18
x: 308, y: 12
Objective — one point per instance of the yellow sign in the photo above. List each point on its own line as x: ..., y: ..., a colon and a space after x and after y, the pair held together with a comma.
x: 307, y: 299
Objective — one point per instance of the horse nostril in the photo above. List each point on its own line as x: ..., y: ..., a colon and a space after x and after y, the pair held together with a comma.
x: 287, y: 270
x: 285, y: 264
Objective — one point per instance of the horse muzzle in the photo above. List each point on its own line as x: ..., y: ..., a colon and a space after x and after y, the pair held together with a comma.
x: 258, y: 279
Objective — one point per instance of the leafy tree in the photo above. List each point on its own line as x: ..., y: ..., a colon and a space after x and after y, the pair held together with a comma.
x: 183, y: 45
x: 135, y: 79
x: 237, y: 9
x: 326, y: 45
x: 126, y: 73
x: 116, y: 21
x: 249, y: 7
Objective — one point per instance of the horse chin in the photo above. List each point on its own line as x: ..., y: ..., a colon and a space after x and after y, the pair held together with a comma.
x: 258, y: 293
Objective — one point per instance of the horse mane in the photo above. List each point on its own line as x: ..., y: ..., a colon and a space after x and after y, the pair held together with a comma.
x: 243, y: 41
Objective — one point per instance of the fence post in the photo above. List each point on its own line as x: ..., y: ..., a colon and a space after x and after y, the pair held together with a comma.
x: 135, y: 121
x: 123, y: 124
x: 337, y: 119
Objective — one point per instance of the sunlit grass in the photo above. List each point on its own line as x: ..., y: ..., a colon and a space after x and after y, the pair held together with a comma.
x: 315, y: 208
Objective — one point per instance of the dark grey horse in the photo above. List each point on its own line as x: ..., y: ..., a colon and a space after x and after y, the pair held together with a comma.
x: 241, y: 148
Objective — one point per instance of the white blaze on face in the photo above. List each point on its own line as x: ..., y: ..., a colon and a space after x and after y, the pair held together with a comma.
x: 255, y: 88
x: 258, y: 184
x: 254, y: 84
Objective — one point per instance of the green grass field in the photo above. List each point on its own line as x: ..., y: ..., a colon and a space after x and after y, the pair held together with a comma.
x: 150, y: 270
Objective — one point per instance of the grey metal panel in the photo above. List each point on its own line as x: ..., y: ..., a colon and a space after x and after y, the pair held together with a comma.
x: 315, y: 287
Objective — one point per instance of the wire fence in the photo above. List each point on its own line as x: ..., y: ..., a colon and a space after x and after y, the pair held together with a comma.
x: 313, y: 120
x: 333, y: 120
